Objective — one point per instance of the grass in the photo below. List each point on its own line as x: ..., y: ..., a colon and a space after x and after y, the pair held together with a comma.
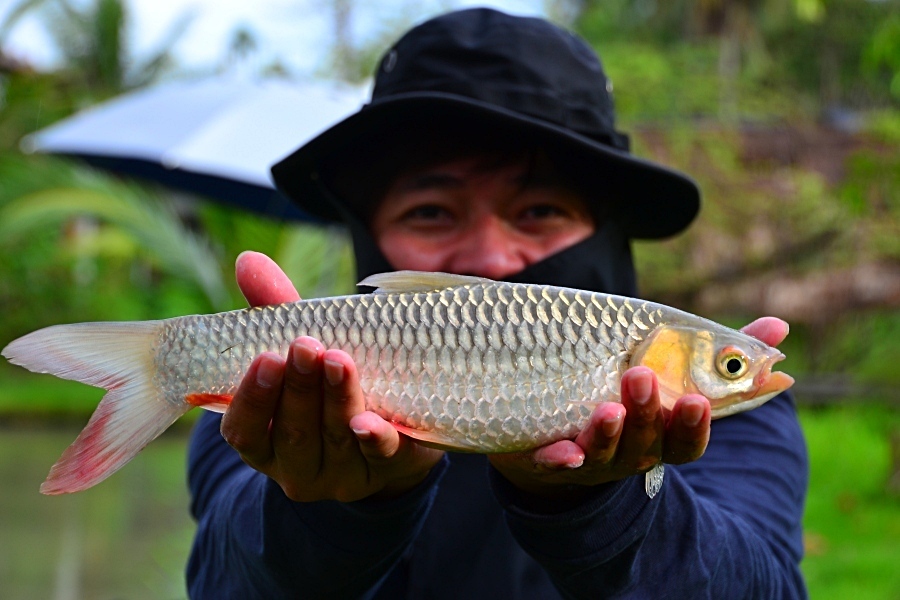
x: 852, y: 522
x: 129, y: 537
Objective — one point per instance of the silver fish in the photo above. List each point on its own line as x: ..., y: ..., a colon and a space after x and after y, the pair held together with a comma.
x: 460, y: 362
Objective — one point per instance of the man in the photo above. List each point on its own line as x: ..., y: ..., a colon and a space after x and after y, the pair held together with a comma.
x: 489, y: 149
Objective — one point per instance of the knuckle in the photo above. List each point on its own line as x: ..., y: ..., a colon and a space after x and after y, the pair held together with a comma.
x: 379, y: 453
x: 341, y: 492
x: 302, y: 386
x: 237, y: 440
x: 255, y: 398
x: 298, y: 493
x: 646, y: 463
x: 293, y: 436
x: 338, y: 440
x: 340, y: 395
x: 349, y: 494
x: 684, y: 454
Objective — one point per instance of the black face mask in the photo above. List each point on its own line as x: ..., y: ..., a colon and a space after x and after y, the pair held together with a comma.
x: 600, y: 263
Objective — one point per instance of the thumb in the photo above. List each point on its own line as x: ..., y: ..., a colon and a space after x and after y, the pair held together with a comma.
x: 378, y: 440
x: 262, y: 281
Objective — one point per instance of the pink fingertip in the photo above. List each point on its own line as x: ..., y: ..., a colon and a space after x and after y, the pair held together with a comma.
x: 560, y: 455
x: 368, y: 424
x: 612, y: 425
x: 692, y: 412
x: 268, y: 371
x: 362, y: 434
x: 770, y: 330
x: 640, y: 385
x: 262, y: 281
x: 334, y: 372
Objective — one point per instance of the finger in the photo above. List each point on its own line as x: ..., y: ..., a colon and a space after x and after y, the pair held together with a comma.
x: 398, y: 461
x: 564, y: 454
x: 600, y: 438
x: 378, y: 440
x: 343, y: 401
x: 687, y: 433
x: 295, y: 428
x: 558, y: 456
x: 262, y: 281
x: 770, y: 330
x: 245, y: 425
x: 640, y: 445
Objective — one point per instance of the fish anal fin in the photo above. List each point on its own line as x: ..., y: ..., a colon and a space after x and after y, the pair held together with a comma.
x: 418, y: 281
x: 213, y: 402
x: 434, y: 439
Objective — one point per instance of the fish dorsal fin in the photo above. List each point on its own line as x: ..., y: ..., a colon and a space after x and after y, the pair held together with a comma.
x: 417, y: 281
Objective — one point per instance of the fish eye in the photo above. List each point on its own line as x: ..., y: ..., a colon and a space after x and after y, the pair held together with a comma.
x: 732, y: 363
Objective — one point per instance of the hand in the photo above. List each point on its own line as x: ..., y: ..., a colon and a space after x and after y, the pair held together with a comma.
x: 302, y: 421
x: 624, y: 439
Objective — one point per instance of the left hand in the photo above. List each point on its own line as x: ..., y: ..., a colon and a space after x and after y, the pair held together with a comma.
x: 624, y: 439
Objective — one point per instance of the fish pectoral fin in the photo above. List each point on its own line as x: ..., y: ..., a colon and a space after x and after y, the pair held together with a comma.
x: 434, y: 439
x: 418, y: 281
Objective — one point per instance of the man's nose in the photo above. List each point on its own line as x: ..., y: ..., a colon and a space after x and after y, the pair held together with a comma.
x: 489, y: 249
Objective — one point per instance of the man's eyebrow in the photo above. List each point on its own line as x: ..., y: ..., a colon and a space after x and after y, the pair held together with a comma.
x: 426, y: 181
x: 537, y: 178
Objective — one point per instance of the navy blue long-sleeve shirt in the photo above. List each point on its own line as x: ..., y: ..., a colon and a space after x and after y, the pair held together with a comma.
x: 727, y: 526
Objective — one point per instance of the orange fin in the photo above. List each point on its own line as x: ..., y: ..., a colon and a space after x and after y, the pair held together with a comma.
x: 214, y: 402
x: 435, y: 440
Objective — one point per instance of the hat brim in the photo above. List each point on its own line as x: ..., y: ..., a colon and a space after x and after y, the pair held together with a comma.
x: 650, y: 201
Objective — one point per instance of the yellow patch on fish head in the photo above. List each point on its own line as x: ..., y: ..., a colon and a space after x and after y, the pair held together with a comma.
x: 731, y: 369
x: 667, y: 352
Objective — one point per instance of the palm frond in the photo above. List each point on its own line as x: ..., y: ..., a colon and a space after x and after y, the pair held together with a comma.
x: 319, y: 260
x: 149, y: 220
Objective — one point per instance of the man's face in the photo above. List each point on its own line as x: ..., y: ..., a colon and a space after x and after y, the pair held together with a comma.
x: 478, y: 216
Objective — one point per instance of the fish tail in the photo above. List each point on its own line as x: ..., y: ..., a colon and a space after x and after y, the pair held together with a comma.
x: 118, y: 357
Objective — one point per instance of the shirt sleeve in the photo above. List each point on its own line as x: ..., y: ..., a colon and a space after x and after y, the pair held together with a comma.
x: 725, y: 526
x: 254, y: 542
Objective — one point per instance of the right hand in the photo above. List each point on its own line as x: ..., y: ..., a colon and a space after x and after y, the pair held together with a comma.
x: 303, y: 422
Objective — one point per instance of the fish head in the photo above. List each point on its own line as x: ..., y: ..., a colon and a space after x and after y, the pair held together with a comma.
x: 731, y: 369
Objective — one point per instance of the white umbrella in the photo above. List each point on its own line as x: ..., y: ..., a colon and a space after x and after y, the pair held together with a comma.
x: 215, y: 137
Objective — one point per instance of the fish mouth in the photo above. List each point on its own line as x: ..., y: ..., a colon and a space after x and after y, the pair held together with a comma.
x: 768, y: 385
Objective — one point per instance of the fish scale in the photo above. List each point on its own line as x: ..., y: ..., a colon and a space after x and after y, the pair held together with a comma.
x: 534, y: 360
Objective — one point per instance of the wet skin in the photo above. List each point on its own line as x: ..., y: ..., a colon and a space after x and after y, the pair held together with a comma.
x: 302, y: 421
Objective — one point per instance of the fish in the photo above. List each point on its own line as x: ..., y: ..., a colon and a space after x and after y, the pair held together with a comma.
x: 462, y: 363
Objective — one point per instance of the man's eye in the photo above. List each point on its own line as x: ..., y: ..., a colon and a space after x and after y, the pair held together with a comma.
x: 542, y: 211
x: 426, y: 212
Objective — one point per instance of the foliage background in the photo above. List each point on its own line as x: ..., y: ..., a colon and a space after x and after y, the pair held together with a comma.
x: 787, y: 112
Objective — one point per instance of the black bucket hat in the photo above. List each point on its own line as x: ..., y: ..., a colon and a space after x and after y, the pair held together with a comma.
x: 516, y: 75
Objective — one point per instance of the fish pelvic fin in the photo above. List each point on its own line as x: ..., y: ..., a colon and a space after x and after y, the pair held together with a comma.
x: 118, y: 357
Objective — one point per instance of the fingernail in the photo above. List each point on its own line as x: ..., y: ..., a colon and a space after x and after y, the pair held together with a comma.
x: 304, y: 358
x: 691, y: 413
x: 640, y: 387
x: 576, y: 464
x: 267, y: 374
x: 362, y: 434
x: 334, y: 372
x: 611, y: 425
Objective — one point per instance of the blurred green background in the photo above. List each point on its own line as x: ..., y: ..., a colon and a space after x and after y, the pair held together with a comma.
x: 786, y: 112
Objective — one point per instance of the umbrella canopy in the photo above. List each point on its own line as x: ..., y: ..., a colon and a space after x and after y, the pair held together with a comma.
x: 212, y: 137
